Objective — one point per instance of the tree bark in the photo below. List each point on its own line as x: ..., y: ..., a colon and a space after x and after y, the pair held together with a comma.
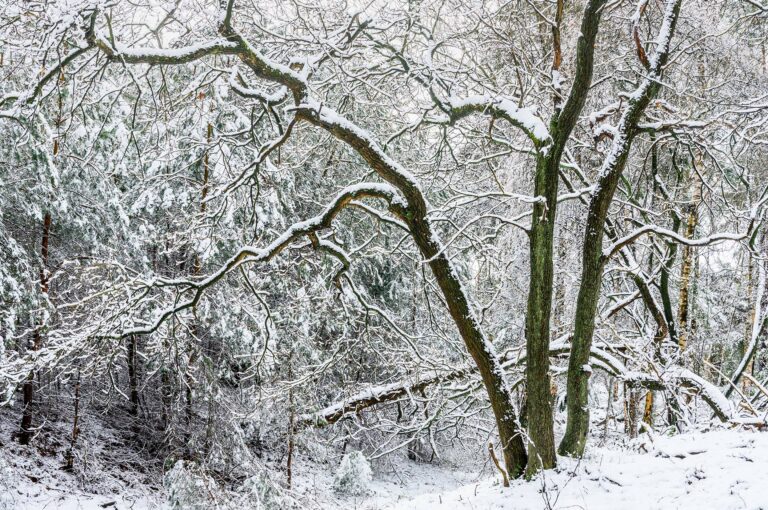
x: 70, y: 454
x: 685, y: 271
x: 541, y: 444
x: 499, y: 392
x: 133, y: 378
x: 28, y: 390
x: 414, y: 214
x: 593, y: 261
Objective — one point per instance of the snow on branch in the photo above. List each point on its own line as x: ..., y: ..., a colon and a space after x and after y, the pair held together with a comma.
x: 159, y: 56
x: 671, y: 125
x: 375, y: 395
x: 270, y: 98
x: 601, y: 358
x: 28, y: 97
x: 381, y: 394
x: 525, y: 119
x: 251, y: 255
x: 637, y: 101
x: 263, y: 67
x: 366, y: 146
x: 759, y: 324
x: 612, y: 249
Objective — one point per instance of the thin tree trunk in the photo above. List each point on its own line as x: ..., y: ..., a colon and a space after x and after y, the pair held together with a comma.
x: 133, y: 379
x: 685, y: 272
x: 70, y: 455
x: 750, y: 319
x: 28, y: 390
x: 631, y: 411
x: 196, y: 269
x: 759, y: 323
x: 291, y: 423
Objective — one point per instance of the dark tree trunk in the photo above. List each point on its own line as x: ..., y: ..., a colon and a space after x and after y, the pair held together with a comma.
x: 133, y: 377
x: 70, y: 454
x: 593, y: 261
x: 541, y: 445
x: 28, y: 390
x: 499, y: 393
x: 482, y: 352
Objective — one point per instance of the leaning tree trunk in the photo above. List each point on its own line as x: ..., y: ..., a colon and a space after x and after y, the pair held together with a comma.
x: 482, y: 352
x: 414, y: 213
x: 593, y: 261
x: 759, y: 319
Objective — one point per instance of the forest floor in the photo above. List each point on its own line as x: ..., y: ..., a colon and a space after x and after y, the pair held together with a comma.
x: 718, y: 470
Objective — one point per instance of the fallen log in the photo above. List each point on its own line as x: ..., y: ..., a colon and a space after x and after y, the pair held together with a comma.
x: 672, y: 377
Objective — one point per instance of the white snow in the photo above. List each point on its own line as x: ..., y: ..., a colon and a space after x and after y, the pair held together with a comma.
x: 526, y: 118
x: 170, y: 53
x: 714, y: 470
x: 31, y: 478
x: 719, y: 469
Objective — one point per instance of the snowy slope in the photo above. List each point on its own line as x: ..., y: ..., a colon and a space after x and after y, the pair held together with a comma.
x: 110, y: 473
x: 717, y: 470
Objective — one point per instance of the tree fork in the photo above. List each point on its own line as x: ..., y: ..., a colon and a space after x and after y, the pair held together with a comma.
x: 541, y: 444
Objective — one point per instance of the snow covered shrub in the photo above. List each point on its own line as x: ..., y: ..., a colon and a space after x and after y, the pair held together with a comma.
x: 260, y: 493
x: 353, y: 476
x: 7, y: 481
x: 189, y: 488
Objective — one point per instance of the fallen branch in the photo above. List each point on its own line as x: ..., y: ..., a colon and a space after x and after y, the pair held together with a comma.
x: 504, y: 477
x: 672, y: 377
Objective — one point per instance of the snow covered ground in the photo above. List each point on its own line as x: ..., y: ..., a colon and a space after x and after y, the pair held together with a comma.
x: 109, y: 475
x: 717, y: 470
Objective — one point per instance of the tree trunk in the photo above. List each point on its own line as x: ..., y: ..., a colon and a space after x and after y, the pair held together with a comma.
x: 593, y: 261
x: 28, y: 391
x: 70, y: 454
x: 749, y: 322
x: 685, y: 272
x: 631, y: 416
x: 133, y: 378
x: 482, y: 352
x: 414, y: 214
x: 541, y: 444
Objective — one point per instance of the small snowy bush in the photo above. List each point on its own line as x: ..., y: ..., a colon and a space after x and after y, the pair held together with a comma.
x: 188, y: 487
x: 7, y: 481
x: 353, y: 476
x: 261, y: 493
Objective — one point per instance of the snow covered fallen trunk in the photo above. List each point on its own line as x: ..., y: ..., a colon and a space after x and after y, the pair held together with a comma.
x: 672, y: 378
